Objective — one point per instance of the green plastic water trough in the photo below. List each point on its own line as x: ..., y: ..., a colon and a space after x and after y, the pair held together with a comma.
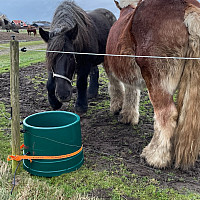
x: 52, y: 133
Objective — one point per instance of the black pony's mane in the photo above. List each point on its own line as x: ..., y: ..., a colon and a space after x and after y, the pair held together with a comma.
x: 66, y: 17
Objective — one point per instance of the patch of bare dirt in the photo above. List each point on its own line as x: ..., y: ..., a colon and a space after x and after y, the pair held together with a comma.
x: 6, y: 36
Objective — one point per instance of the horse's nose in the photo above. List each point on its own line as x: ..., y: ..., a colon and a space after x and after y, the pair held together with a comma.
x: 64, y: 97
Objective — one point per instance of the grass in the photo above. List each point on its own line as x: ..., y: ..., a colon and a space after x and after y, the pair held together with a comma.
x: 22, y: 44
x: 4, y: 132
x: 25, y: 58
x: 81, y: 184
x: 116, y: 182
x: 31, y: 57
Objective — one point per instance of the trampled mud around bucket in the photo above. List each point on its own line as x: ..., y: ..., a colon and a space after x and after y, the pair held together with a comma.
x: 52, y: 133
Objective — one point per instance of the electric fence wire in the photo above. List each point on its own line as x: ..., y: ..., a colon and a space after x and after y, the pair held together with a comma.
x: 24, y: 49
x: 4, y: 47
x: 15, y: 176
x: 7, y: 41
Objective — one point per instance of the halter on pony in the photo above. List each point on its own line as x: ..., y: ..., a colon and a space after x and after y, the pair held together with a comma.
x: 64, y: 77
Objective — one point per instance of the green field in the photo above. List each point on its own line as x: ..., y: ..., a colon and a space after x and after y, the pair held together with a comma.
x: 26, y: 58
x: 117, y: 181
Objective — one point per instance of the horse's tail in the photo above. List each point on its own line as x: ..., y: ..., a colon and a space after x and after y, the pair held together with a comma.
x: 187, y: 137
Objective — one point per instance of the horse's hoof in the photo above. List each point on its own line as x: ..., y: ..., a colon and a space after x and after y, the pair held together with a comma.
x: 81, y: 110
x: 156, y: 158
x: 123, y: 120
x: 92, y: 92
x: 79, y: 114
x: 117, y: 112
x: 115, y: 109
x: 127, y: 118
x: 56, y: 106
x: 92, y: 95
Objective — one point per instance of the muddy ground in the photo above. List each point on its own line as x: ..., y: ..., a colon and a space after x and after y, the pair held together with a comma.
x: 6, y: 36
x: 102, y: 134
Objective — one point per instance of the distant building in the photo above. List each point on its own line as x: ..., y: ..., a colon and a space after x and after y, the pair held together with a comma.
x: 19, y: 23
x: 43, y: 24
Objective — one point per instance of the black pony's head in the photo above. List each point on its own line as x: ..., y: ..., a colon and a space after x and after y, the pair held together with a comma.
x: 61, y: 65
x: 69, y: 33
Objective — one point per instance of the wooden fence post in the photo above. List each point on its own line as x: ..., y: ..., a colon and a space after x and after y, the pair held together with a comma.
x: 14, y: 97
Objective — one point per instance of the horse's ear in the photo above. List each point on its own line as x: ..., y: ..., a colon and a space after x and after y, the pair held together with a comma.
x: 44, y: 34
x: 73, y: 33
x: 117, y: 4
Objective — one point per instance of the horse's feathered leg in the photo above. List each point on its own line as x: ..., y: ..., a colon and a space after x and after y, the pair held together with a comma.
x: 124, y: 97
x: 130, y: 108
x: 161, y: 85
x: 94, y: 83
x: 53, y: 101
x: 158, y: 153
x: 162, y: 76
x: 116, y: 92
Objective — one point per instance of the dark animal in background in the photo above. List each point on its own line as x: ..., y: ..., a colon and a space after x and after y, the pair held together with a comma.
x: 1, y: 22
x: 74, y: 30
x: 159, y: 28
x: 31, y: 29
x: 9, y: 26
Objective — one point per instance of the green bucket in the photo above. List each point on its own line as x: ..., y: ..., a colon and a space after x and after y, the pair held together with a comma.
x: 52, y: 133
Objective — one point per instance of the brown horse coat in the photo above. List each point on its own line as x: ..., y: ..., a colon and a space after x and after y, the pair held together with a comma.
x: 123, y: 44
x: 160, y: 28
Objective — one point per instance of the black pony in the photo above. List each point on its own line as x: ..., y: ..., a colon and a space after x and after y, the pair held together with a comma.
x: 74, y: 30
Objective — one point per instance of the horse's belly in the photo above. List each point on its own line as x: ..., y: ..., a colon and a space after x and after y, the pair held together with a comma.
x: 125, y: 69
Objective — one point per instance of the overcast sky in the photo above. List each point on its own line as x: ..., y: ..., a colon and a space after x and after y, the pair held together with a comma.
x: 34, y: 10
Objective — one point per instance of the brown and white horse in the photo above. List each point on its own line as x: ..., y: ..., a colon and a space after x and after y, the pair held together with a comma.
x: 168, y: 29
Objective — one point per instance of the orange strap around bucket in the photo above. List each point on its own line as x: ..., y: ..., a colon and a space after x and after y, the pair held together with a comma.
x: 18, y: 157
